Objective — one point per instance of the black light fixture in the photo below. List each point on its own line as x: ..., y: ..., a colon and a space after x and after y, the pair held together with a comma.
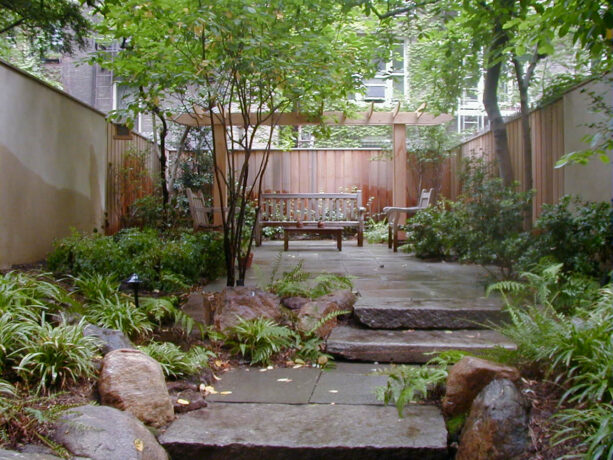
x: 135, y: 282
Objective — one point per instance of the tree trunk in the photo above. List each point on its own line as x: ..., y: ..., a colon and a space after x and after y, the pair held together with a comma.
x: 172, y: 177
x: 499, y: 130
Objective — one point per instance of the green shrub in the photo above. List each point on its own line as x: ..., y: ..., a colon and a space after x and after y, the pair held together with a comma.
x: 435, y: 231
x: 376, y: 232
x: 163, y: 262
x: 483, y: 226
x: 52, y: 356
x: 577, y: 234
x: 258, y: 339
x: 176, y: 362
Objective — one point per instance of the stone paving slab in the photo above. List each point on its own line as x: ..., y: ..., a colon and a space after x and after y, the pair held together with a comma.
x: 278, y: 385
x: 347, y: 388
x: 306, y: 432
x: 408, y: 346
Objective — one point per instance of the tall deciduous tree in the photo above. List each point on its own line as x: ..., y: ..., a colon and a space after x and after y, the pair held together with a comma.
x: 255, y: 58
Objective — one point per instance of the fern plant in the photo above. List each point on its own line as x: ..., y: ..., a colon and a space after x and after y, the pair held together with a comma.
x: 176, y: 362
x: 298, y: 282
x: 258, y: 339
x: 407, y: 384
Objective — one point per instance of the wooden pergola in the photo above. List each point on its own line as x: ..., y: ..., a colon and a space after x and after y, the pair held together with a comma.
x: 398, y: 120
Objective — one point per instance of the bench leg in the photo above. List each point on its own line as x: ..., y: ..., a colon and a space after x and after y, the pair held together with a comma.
x: 360, y: 238
x: 389, y: 237
x: 339, y: 241
x: 285, y: 241
x: 396, y: 240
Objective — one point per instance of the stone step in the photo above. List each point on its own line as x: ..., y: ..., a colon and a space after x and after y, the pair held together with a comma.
x: 306, y: 432
x: 408, y: 346
x: 395, y: 313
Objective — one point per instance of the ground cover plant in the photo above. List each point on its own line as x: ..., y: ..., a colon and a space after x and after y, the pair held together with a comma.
x: 166, y: 262
x: 44, y: 350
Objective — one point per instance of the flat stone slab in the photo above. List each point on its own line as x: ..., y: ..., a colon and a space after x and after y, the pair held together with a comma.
x: 344, y: 388
x: 408, y: 346
x: 279, y: 385
x: 306, y: 432
x: 394, y: 313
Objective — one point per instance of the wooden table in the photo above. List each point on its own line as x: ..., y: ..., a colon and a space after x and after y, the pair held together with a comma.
x: 323, y: 231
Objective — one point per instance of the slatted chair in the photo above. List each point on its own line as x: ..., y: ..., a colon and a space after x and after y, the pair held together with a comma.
x: 394, y: 213
x: 202, y: 216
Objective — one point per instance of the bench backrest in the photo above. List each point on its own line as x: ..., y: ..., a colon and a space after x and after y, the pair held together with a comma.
x: 202, y: 216
x: 424, y: 198
x: 284, y: 207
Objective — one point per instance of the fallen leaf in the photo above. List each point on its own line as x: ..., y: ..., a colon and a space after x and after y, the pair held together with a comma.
x: 139, y: 445
x: 263, y: 369
x: 202, y: 387
x: 270, y: 368
x: 322, y: 360
x: 216, y: 378
x: 299, y: 361
x: 448, y: 332
x: 183, y: 402
x: 218, y: 363
x: 211, y: 390
x: 225, y: 392
x: 297, y: 366
x: 284, y: 380
x: 332, y: 391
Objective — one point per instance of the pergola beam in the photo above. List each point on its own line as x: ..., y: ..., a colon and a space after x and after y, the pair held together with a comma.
x: 328, y: 118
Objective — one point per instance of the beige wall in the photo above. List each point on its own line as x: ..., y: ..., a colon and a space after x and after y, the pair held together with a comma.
x: 591, y: 182
x: 52, y: 167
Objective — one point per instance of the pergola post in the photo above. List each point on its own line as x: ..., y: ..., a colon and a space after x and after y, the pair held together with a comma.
x: 399, y: 189
x: 221, y: 159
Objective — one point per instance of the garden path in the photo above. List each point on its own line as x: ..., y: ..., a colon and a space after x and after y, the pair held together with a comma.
x: 407, y: 308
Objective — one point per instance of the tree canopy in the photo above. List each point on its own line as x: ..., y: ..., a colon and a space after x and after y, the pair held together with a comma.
x: 47, y: 24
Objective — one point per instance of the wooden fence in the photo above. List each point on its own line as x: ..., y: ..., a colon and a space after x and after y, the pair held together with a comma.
x: 132, y: 169
x: 334, y: 170
x: 547, y: 133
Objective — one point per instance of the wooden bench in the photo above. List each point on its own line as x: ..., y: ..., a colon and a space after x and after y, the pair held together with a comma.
x: 394, y: 214
x: 336, y: 232
x: 287, y: 209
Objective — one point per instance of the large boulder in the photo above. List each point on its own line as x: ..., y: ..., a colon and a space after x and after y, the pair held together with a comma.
x: 132, y: 381
x: 311, y: 313
x: 497, y: 426
x: 247, y: 303
x: 105, y: 433
x: 467, y: 378
x: 109, y: 339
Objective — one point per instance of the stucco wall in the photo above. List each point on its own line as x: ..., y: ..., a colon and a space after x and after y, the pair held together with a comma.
x: 52, y: 167
x: 592, y: 182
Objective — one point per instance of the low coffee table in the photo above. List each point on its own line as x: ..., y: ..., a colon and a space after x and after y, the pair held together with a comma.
x: 323, y: 231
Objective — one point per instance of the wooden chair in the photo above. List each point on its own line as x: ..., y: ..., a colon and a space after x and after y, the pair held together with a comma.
x: 202, y: 216
x: 393, y: 214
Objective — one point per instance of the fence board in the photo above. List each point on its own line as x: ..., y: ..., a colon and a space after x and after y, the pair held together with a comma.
x: 132, y: 168
x: 547, y: 138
